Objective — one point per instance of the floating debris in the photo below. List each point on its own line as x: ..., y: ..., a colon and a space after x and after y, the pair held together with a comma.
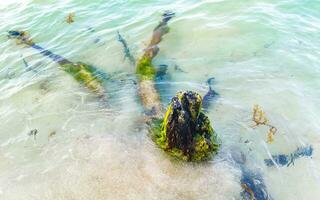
x: 33, y: 133
x: 267, y: 45
x: 177, y: 68
x: 287, y: 160
x: 70, y: 18
x: 271, y: 133
x: 52, y: 134
x: 259, y: 118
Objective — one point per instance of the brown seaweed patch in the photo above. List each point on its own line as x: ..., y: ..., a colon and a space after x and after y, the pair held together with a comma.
x: 70, y: 18
x: 259, y: 118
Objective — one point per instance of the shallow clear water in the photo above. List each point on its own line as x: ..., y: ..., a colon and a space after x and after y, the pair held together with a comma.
x: 259, y: 51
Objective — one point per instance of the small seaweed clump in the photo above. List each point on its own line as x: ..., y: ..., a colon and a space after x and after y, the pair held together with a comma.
x: 259, y: 118
x: 70, y: 18
x: 186, y: 132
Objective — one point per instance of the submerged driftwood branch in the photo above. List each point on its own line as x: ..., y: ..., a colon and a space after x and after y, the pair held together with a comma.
x: 81, y: 72
x: 146, y: 71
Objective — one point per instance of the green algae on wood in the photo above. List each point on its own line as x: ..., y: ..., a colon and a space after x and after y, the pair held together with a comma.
x: 145, y: 69
x: 185, y: 132
x: 84, y: 74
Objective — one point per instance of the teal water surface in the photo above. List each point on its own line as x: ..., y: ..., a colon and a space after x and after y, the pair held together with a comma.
x: 263, y: 52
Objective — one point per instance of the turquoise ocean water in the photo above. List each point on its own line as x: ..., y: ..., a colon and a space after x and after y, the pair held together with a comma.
x: 263, y: 52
